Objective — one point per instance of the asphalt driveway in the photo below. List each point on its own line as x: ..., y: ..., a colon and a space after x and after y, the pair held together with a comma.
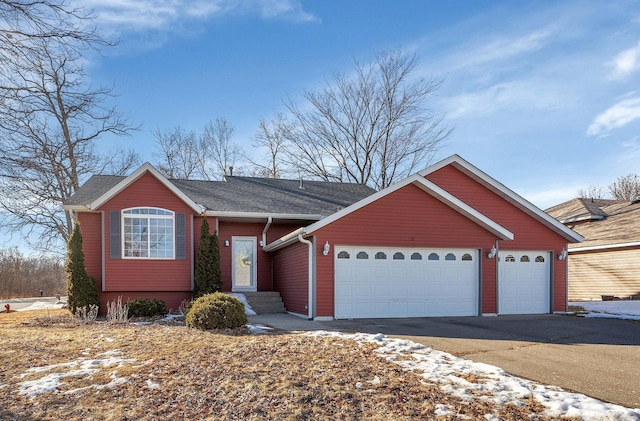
x: 596, y: 357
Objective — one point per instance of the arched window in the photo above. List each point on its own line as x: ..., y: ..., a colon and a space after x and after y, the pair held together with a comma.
x: 416, y: 256
x: 467, y: 257
x: 510, y: 259
x: 524, y: 259
x: 433, y: 256
x: 148, y: 233
x: 450, y: 256
x: 398, y: 256
x: 343, y: 255
x: 362, y: 255
x: 539, y: 259
x: 381, y: 256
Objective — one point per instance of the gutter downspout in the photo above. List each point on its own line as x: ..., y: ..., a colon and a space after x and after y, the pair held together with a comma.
x: 310, y: 304
x: 264, y: 231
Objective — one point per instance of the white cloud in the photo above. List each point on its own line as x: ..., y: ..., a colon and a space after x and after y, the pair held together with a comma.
x: 621, y: 114
x: 626, y: 62
x: 143, y: 15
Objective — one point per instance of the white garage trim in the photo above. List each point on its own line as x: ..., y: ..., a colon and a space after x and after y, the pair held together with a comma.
x: 382, y: 282
x: 524, y: 282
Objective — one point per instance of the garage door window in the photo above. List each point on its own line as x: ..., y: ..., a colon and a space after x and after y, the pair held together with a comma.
x: 362, y: 255
x: 524, y: 259
x: 510, y: 259
x: 539, y: 259
x: 467, y: 257
x: 450, y: 256
x: 381, y: 256
x: 434, y: 256
x: 343, y: 255
x: 398, y: 256
x: 416, y: 256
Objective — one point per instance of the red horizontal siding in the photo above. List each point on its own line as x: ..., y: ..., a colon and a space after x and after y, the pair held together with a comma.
x: 141, y: 274
x: 291, y: 276
x: 91, y: 229
x: 529, y: 233
x: 408, y: 217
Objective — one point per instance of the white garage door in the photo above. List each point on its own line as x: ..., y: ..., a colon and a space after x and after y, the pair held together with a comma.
x: 405, y: 282
x: 523, y: 281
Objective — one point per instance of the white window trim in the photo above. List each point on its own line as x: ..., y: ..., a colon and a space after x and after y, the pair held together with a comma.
x: 172, y: 217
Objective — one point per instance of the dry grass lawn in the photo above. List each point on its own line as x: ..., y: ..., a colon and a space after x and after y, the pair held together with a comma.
x: 171, y: 372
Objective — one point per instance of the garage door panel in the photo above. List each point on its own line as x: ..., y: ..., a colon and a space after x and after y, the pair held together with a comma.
x: 524, y: 282
x: 411, y: 287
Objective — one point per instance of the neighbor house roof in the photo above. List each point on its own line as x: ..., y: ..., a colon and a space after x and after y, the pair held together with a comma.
x: 603, y: 223
x: 234, y: 195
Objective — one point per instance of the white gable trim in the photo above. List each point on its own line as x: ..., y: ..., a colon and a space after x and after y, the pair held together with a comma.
x: 425, y: 185
x: 506, y: 193
x: 127, y: 181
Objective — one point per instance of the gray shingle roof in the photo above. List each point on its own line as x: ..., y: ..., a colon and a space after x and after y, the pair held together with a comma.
x: 248, y: 194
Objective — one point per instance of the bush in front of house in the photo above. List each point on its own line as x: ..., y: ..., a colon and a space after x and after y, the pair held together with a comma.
x: 146, y: 307
x: 81, y: 288
x: 216, y: 311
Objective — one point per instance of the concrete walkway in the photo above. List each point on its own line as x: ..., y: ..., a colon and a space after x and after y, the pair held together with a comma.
x: 596, y: 357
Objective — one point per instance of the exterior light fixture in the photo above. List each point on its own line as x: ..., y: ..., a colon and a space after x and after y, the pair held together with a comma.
x: 226, y: 243
x: 563, y: 254
x: 326, y: 248
x: 492, y: 253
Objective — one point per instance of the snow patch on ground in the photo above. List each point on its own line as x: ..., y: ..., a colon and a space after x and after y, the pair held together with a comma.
x: 619, y: 309
x: 470, y: 380
x: 258, y: 329
x: 247, y: 307
x: 80, y: 367
x: 39, y: 305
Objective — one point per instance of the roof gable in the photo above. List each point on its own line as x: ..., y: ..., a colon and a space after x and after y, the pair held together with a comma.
x: 127, y: 181
x: 505, y: 193
x: 425, y: 185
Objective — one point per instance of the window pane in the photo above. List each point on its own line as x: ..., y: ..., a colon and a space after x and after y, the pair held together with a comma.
x: 416, y: 256
x: 381, y: 256
x: 524, y: 259
x: 509, y: 258
x: 467, y: 257
x: 434, y: 256
x: 398, y: 256
x: 539, y: 259
x: 362, y: 255
x: 450, y: 256
x: 146, y: 235
x: 343, y: 255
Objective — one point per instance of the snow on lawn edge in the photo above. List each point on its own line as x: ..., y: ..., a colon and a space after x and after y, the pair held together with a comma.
x: 450, y: 373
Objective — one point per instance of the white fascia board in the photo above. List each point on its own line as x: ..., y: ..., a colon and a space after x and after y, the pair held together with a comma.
x: 604, y: 247
x: 285, y: 240
x: 262, y: 215
x: 76, y: 208
x: 462, y: 208
x: 146, y: 167
x: 506, y: 193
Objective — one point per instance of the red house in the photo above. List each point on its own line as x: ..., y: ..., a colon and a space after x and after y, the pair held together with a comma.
x: 447, y: 241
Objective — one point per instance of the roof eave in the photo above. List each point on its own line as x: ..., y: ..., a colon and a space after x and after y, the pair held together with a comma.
x: 285, y: 240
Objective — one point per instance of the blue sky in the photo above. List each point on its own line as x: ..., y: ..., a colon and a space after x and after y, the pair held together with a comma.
x: 542, y: 95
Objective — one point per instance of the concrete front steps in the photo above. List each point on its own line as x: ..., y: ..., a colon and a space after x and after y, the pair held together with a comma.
x: 266, y: 302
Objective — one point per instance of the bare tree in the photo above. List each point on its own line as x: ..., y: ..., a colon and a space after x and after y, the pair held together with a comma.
x: 626, y: 188
x: 592, y: 192
x: 25, y: 276
x: 50, y: 118
x: 271, y: 137
x: 188, y: 154
x: 178, y: 152
x: 369, y: 127
x: 221, y: 152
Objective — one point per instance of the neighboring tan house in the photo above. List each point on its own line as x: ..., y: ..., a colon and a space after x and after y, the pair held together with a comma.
x: 607, y: 263
x: 447, y: 241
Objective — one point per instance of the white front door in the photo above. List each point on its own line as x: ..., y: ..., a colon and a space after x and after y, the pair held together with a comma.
x: 243, y: 272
